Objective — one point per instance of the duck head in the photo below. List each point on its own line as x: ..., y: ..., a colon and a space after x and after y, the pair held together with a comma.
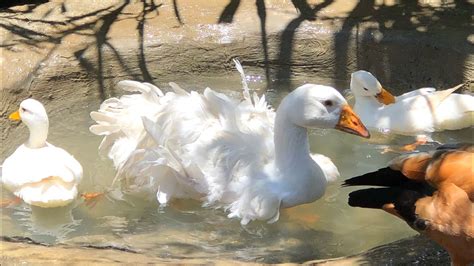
x: 363, y: 83
x: 33, y: 114
x: 318, y: 106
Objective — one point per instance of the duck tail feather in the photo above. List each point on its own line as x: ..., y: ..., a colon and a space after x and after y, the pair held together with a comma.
x: 245, y: 87
x: 373, y: 198
x: 382, y: 177
x: 147, y: 89
x: 178, y: 90
x: 397, y: 201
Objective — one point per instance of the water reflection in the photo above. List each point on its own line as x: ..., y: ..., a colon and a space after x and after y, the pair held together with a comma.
x: 43, y: 225
x: 323, y: 229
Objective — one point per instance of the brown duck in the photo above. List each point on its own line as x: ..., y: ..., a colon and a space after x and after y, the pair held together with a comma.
x: 432, y: 191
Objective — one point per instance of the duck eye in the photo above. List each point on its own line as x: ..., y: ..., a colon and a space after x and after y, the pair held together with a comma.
x: 23, y: 109
x: 328, y: 103
x: 366, y: 89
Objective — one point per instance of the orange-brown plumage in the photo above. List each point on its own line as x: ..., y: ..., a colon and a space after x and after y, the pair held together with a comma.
x: 413, y: 167
x: 456, y: 167
x: 437, y: 167
x: 433, y: 192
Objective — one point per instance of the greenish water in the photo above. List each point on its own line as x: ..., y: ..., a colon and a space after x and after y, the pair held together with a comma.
x: 323, y: 229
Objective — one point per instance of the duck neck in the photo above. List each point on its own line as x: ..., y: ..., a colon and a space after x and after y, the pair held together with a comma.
x: 366, y: 106
x: 38, y: 136
x: 366, y: 101
x: 291, y: 144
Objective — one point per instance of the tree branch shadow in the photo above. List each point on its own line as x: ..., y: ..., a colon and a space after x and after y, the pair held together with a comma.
x: 98, y: 21
x: 341, y: 38
x: 227, y: 15
x: 101, y: 39
x: 176, y: 12
x: 262, y: 14
x: 5, y: 5
x: 284, y: 71
x: 147, y: 9
x: 98, y: 24
x: 424, y: 61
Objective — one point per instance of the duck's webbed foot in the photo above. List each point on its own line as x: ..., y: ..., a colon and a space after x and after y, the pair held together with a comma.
x: 420, y: 140
x: 4, y: 203
x: 92, y: 198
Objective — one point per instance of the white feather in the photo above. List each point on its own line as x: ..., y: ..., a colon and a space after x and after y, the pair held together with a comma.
x: 218, y: 149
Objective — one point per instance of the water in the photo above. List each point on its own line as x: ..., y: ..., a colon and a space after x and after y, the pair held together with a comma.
x: 323, y: 229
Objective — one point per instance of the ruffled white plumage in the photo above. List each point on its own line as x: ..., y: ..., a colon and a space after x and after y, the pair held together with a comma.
x: 209, y: 147
x: 201, y: 145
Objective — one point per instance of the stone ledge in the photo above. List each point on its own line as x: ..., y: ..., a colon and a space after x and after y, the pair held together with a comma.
x: 22, y: 250
x: 64, y: 49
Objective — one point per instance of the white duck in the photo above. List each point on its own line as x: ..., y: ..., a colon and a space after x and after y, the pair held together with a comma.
x: 38, y: 172
x: 234, y: 154
x: 417, y: 112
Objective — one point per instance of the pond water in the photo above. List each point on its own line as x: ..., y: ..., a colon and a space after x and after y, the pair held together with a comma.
x: 323, y: 229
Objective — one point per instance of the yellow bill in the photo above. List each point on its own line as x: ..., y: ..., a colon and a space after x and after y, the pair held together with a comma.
x: 15, y: 116
x: 349, y: 122
x: 385, y: 97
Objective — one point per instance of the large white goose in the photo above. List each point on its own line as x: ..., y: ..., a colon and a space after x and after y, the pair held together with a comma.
x: 417, y: 112
x: 38, y: 172
x: 239, y: 155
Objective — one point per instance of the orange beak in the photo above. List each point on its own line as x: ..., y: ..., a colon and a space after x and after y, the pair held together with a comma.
x: 385, y: 97
x: 15, y: 116
x: 349, y: 122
